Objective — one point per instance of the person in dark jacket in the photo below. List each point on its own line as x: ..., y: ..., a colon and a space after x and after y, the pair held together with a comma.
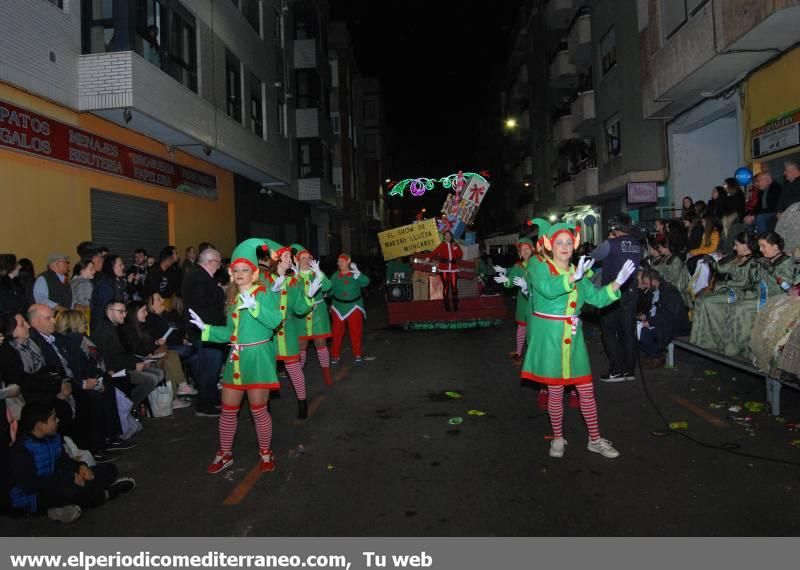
x: 769, y: 196
x: 12, y: 290
x: 666, y: 319
x: 791, y: 190
x: 51, y: 288
x: 109, y: 285
x: 162, y: 278
x: 734, y: 199
x: 206, y: 297
x: 46, y: 479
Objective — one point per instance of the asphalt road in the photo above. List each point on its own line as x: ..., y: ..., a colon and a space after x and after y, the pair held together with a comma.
x: 379, y: 456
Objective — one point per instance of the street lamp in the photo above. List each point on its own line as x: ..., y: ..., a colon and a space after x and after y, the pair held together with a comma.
x: 511, y: 123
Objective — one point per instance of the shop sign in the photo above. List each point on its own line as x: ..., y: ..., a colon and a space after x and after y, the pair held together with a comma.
x: 642, y: 193
x: 36, y: 134
x: 781, y: 134
x: 406, y: 240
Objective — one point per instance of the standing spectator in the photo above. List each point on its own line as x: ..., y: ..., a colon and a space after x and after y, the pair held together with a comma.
x: 12, y: 290
x: 26, y: 275
x: 666, y: 319
x: 717, y: 203
x: 769, y: 196
x: 206, y: 298
x: 694, y: 230
x: 160, y: 278
x: 110, y: 285
x: 791, y: 190
x: 82, y: 285
x: 190, y: 260
x: 51, y: 287
x: 734, y: 199
x: 617, y: 321
x: 139, y: 270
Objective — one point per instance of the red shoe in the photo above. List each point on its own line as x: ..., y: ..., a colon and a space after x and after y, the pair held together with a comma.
x: 542, y: 399
x: 221, y: 461
x: 267, y: 460
x: 573, y: 399
x: 326, y: 376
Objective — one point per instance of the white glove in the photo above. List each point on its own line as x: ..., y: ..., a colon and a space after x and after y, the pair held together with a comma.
x: 354, y: 269
x: 624, y: 274
x: 196, y: 320
x: 584, y: 264
x: 248, y: 301
x: 499, y: 270
x: 502, y: 279
x: 295, y: 269
x: 315, y: 285
x: 314, y: 265
x: 278, y: 283
x: 521, y: 283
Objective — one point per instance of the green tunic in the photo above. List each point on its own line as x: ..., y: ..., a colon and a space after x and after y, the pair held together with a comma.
x: 317, y: 323
x: 520, y: 269
x: 292, y: 304
x: 673, y: 271
x: 714, y: 322
x: 346, y: 293
x: 559, y: 355
x: 249, y: 366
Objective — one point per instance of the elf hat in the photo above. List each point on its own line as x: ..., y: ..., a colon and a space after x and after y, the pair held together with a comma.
x: 299, y: 250
x: 543, y: 225
x: 556, y: 229
x: 247, y: 252
x: 526, y: 242
x: 345, y: 256
x: 276, y: 249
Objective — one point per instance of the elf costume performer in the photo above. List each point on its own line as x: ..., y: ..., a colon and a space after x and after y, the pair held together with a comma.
x: 448, y: 253
x: 512, y: 278
x: 559, y: 357
x: 253, y: 316
x: 293, y: 304
x: 347, y: 309
x: 316, y: 325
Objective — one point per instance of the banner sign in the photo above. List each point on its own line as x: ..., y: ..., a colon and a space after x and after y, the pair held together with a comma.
x: 776, y: 136
x: 461, y: 208
x: 642, y: 193
x: 36, y: 134
x: 405, y: 240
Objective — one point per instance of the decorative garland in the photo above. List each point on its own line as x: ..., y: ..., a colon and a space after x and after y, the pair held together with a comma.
x: 418, y: 186
x: 452, y: 325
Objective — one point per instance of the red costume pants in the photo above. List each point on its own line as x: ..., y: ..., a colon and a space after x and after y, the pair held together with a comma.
x: 449, y: 288
x: 355, y: 323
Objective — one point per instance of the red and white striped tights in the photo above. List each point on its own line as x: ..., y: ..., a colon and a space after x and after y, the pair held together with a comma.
x: 522, y: 330
x: 295, y: 371
x: 555, y: 409
x: 322, y: 354
x: 229, y: 420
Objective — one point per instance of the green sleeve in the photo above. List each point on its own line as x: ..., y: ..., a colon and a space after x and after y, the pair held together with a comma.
x: 266, y: 310
x: 326, y: 284
x: 551, y: 286
x: 515, y: 271
x: 218, y: 333
x: 598, y: 296
x: 301, y: 303
x: 363, y: 280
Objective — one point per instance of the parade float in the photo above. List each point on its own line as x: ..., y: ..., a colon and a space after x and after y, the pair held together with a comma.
x: 415, y: 296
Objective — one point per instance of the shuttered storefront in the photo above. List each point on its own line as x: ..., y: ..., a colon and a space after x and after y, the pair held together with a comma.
x: 123, y: 223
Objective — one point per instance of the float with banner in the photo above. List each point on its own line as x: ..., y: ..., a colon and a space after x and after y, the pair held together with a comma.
x: 414, y: 298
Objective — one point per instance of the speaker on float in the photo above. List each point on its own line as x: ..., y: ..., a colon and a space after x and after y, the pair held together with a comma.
x: 398, y: 292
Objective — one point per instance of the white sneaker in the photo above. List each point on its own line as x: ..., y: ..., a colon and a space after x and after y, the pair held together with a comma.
x: 557, y: 447
x: 185, y: 390
x: 603, y: 447
x: 178, y: 403
x: 65, y: 514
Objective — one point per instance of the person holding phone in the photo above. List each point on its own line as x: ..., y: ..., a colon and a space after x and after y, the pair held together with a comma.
x: 347, y: 310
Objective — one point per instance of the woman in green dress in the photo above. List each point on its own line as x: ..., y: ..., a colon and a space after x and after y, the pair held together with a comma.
x: 559, y: 357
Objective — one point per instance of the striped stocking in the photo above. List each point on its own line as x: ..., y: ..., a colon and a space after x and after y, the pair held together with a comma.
x: 228, y: 422
x: 589, y: 409
x: 298, y: 379
x: 555, y: 408
x: 263, y: 422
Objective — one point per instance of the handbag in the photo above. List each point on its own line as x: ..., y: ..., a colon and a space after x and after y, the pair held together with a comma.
x: 130, y: 426
x: 161, y: 399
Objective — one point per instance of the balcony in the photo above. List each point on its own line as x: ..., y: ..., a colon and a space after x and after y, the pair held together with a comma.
x: 565, y: 193
x: 163, y: 109
x: 317, y: 191
x: 564, y: 130
x: 583, y: 108
x: 580, y: 40
x: 563, y: 73
x: 559, y: 14
x: 305, y: 54
x: 586, y: 184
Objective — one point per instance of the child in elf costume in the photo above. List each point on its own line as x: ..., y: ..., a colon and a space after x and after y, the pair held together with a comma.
x: 316, y: 325
x: 512, y: 278
x: 559, y: 357
x: 252, y: 317
x: 347, y: 310
x: 294, y: 302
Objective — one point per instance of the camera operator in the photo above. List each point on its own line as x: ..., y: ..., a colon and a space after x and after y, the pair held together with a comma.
x: 618, y: 321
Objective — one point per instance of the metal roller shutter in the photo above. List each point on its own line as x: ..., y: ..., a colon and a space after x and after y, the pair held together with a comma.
x: 124, y: 223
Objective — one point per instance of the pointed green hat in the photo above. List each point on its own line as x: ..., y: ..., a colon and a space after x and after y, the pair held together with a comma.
x: 275, y: 249
x: 556, y: 229
x: 246, y: 252
x: 525, y: 241
x: 543, y: 225
x: 298, y: 249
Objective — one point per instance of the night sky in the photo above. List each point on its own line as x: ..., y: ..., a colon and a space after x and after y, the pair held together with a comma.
x: 434, y: 61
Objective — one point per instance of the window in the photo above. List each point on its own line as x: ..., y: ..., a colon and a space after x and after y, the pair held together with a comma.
x: 98, y: 26
x: 307, y: 88
x: 233, y: 86
x: 309, y: 158
x: 335, y: 123
x: 256, y: 106
x: 277, y: 26
x: 181, y: 58
x: 613, y: 140
x: 608, y: 52
x: 252, y: 13
x: 675, y: 13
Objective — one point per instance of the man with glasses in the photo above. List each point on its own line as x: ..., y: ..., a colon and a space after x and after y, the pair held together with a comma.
x: 203, y: 294
x: 142, y: 377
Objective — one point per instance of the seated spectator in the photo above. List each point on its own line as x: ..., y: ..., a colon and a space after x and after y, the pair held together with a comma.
x: 143, y: 376
x: 716, y: 325
x: 763, y: 217
x: 790, y: 194
x: 731, y: 227
x: 158, y: 323
x: 28, y: 276
x: 661, y: 228
x: 687, y: 206
x: 716, y: 205
x: 710, y: 237
x: 82, y: 286
x: 678, y: 237
x: 22, y: 363
x: 735, y: 201
x: 666, y: 319
x: 700, y: 208
x: 51, y: 287
x: 693, y: 229
x: 110, y: 284
x: 100, y: 402
x: 47, y: 480
x: 12, y: 290
x: 136, y: 339
x: 779, y: 272
x: 671, y: 268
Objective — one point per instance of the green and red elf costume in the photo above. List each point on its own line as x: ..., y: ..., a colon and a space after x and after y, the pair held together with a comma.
x: 520, y: 269
x: 316, y: 325
x: 293, y: 304
x: 252, y: 319
x: 559, y: 357
x: 347, y: 310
